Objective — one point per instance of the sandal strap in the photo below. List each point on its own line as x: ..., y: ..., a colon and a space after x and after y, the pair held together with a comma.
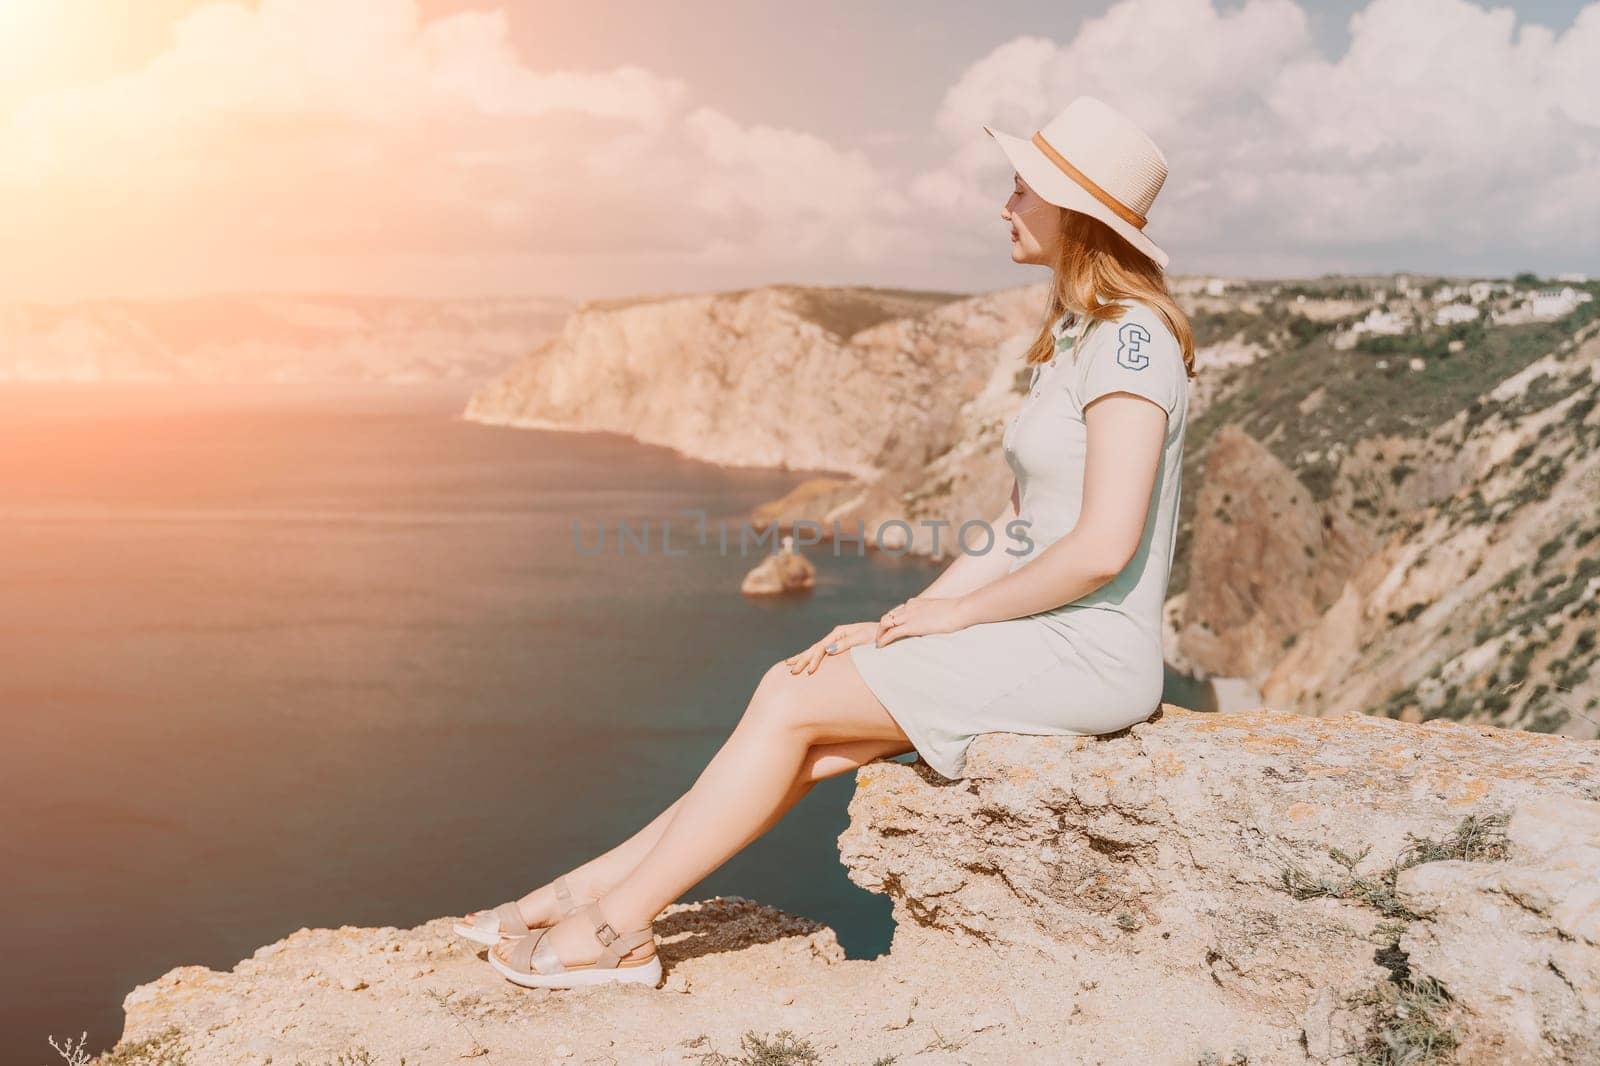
x: 523, y: 956
x: 510, y: 917
x: 612, y: 955
x: 541, y: 956
x: 614, y: 945
x: 533, y: 954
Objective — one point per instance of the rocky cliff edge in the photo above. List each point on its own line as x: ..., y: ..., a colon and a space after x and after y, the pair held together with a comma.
x: 1253, y: 887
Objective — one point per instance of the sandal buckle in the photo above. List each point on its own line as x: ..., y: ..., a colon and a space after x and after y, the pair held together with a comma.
x: 605, y: 934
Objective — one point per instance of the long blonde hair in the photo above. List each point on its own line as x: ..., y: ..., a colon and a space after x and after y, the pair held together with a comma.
x: 1094, y: 267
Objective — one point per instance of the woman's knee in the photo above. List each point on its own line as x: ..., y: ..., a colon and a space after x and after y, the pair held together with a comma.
x: 781, y: 701
x: 775, y: 675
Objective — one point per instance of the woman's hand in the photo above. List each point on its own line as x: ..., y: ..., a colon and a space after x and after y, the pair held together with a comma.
x: 841, y: 639
x: 919, y: 616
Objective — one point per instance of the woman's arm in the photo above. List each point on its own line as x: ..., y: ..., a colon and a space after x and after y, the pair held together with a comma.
x: 970, y: 572
x: 1126, y: 433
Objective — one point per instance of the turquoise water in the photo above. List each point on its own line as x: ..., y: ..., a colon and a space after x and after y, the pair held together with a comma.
x: 281, y: 657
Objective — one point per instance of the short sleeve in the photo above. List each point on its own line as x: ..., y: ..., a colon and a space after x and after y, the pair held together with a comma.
x: 1136, y: 354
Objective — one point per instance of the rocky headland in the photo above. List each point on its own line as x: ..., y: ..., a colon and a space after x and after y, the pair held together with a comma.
x: 1253, y: 887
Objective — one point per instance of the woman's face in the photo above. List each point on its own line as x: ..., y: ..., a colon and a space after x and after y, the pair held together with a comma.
x: 1035, y: 225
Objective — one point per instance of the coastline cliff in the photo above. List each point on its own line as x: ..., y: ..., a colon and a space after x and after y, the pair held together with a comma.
x: 856, y: 381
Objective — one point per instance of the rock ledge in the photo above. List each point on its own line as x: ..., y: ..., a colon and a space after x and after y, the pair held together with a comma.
x: 1197, y: 888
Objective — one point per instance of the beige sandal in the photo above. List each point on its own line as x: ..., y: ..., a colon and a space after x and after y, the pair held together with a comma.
x: 492, y: 926
x: 533, y: 963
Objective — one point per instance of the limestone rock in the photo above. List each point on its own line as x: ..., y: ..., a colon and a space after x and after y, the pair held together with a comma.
x: 1266, y: 559
x: 1156, y: 860
x: 816, y: 500
x: 847, y: 380
x: 1518, y: 943
x: 1478, y: 601
x: 1115, y: 899
x: 778, y: 574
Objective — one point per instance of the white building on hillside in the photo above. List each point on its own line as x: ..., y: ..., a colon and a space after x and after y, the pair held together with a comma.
x: 1450, y: 314
x: 1195, y: 286
x: 1380, y: 321
x: 1553, y: 303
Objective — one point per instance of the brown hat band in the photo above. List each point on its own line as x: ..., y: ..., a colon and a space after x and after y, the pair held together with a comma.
x: 1127, y: 214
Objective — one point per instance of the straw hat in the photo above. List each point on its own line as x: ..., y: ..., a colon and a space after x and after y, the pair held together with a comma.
x: 1092, y: 158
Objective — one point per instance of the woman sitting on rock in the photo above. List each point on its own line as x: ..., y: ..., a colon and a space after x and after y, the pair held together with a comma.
x: 1060, y: 637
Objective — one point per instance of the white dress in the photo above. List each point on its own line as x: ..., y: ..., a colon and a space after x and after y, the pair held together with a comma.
x: 1090, y: 666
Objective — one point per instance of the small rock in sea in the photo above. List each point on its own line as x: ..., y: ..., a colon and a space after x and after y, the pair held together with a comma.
x: 785, y: 572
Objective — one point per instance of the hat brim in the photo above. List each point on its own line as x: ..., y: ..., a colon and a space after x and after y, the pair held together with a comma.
x: 1046, y: 179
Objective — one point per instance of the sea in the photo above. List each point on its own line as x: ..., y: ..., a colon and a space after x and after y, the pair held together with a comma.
x: 290, y: 656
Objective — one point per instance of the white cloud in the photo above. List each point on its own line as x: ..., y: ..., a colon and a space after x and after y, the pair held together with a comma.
x: 1445, y: 130
x: 357, y: 128
x: 355, y: 144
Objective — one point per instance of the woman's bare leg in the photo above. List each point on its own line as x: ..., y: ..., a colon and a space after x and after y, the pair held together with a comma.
x: 588, y: 880
x: 823, y: 761
x: 747, y: 786
x: 597, y: 876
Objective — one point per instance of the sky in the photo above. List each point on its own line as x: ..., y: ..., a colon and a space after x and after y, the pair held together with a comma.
x: 618, y: 147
